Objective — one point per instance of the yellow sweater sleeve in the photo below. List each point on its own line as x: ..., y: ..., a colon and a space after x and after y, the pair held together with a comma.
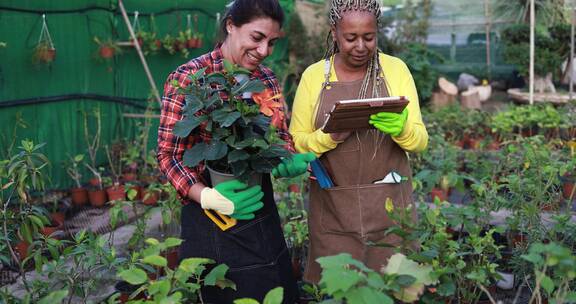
x: 414, y: 137
x: 307, y: 138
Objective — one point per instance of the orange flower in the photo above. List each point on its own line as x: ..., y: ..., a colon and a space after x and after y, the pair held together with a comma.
x: 266, y: 101
x: 277, y: 118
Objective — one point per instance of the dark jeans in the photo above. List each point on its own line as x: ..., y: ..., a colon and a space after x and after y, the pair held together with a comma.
x: 255, y: 251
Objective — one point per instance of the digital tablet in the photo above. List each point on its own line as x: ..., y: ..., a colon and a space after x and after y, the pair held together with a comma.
x: 353, y: 114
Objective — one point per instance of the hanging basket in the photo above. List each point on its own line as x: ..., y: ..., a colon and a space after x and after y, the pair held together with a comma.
x: 44, y: 52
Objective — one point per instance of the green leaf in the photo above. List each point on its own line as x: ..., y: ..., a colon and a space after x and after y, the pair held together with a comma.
x: 236, y: 155
x: 405, y: 280
x: 218, y: 78
x: 274, y: 296
x: 399, y: 264
x: 245, y: 301
x: 534, y: 258
x: 446, y: 289
x: 198, y: 74
x: 190, y: 265
x: 230, y: 119
x: 193, y: 104
x: 194, y: 155
x: 54, y: 297
x: 228, y: 66
x: 172, y: 242
x: 215, y: 275
x: 253, y: 85
x: 215, y: 150
x: 155, y: 260
x: 339, y: 279
x: 364, y: 295
x: 547, y: 284
x: 134, y: 276
x: 239, y: 167
x: 183, y: 127
x: 159, y: 287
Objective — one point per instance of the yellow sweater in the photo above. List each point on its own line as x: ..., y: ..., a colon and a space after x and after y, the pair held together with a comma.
x: 413, y: 138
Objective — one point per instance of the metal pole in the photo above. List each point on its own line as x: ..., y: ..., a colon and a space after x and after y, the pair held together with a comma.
x: 532, y: 25
x: 488, y: 19
x: 139, y: 51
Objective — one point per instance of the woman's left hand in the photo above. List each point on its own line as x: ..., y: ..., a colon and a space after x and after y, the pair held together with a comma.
x: 389, y: 123
x: 294, y: 165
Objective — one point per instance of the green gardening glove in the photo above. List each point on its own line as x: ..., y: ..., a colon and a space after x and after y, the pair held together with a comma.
x: 389, y: 123
x: 233, y: 198
x: 294, y: 165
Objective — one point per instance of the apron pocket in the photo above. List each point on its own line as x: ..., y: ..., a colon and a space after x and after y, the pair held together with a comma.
x: 361, y: 209
x: 245, y: 246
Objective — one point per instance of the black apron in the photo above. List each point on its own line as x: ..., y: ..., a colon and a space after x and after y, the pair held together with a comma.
x: 255, y: 251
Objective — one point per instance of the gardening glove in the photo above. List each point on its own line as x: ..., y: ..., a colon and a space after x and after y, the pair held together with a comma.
x: 294, y: 165
x: 389, y: 123
x: 233, y: 198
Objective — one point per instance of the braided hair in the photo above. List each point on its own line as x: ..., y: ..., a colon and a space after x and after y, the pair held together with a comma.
x: 337, y: 9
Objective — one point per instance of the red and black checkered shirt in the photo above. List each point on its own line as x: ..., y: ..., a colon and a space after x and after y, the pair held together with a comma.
x: 171, y: 147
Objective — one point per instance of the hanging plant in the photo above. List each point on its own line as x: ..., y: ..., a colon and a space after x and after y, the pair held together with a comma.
x: 107, y: 48
x: 44, y: 52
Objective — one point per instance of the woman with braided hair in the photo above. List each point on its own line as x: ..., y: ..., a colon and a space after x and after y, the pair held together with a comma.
x: 352, y: 214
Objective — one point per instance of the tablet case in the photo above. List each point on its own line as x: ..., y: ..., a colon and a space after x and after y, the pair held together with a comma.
x: 352, y: 115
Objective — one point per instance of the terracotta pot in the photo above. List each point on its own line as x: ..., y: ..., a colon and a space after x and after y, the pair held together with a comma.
x: 297, y: 268
x: 150, y: 198
x: 46, y: 55
x: 94, y: 182
x: 139, y: 191
x: 125, y: 289
x: 194, y: 43
x: 568, y: 189
x: 440, y: 193
x: 474, y: 143
x: 22, y: 249
x: 519, y: 240
x: 116, y: 193
x: 129, y: 177
x: 79, y: 196
x: 106, y: 52
x: 173, y: 257
x: 58, y: 218
x: 49, y: 230
x: 97, y: 197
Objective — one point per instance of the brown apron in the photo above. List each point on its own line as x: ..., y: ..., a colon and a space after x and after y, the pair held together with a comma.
x: 352, y: 214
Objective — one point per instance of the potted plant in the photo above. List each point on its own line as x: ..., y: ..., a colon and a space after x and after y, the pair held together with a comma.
x: 244, y: 139
x: 96, y: 194
x: 44, y: 52
x: 108, y: 48
x: 152, y: 194
x: 114, y: 189
x: 79, y: 194
x: 21, y: 220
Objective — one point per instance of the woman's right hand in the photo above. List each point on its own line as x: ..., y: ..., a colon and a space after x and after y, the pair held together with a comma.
x: 233, y: 198
x: 340, y: 137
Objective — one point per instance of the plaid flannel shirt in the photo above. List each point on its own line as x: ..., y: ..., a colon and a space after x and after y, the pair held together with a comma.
x: 171, y: 147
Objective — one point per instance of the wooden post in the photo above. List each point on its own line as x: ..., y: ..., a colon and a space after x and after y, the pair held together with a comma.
x: 532, y: 25
x: 488, y: 28
x: 139, y: 51
x: 570, y: 66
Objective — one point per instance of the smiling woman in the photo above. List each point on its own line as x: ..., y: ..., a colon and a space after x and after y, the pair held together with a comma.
x: 254, y: 248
